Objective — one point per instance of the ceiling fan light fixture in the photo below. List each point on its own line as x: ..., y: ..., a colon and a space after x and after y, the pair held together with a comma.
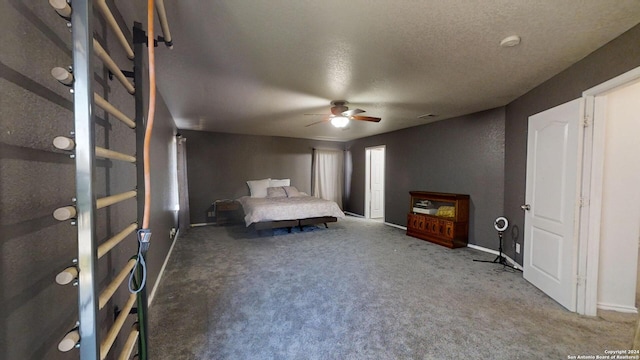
x: 339, y: 121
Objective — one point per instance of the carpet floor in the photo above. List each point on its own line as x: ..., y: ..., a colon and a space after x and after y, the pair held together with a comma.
x: 357, y: 290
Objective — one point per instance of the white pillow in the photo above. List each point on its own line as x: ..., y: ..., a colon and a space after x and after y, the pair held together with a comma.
x: 276, y: 182
x: 258, y: 188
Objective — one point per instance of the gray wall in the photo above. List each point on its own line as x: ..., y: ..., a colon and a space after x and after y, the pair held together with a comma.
x: 462, y: 155
x: 35, y: 179
x: 481, y: 154
x: 620, y: 55
x: 219, y: 165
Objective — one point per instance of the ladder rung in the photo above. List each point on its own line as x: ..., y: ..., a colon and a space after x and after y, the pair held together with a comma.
x: 67, y: 275
x: 108, y: 292
x: 106, y: 344
x: 106, y: 13
x: 106, y: 246
x: 69, y: 341
x: 130, y: 343
x: 113, y: 67
x: 104, y: 104
x: 115, y: 155
x: 114, y: 199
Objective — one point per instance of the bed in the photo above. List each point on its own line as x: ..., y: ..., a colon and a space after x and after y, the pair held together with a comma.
x: 283, y: 206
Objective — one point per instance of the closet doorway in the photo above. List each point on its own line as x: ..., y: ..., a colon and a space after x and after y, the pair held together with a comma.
x: 374, y: 183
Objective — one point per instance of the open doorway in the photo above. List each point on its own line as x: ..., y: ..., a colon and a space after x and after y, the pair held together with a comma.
x: 612, y: 223
x: 374, y: 183
x: 604, y: 251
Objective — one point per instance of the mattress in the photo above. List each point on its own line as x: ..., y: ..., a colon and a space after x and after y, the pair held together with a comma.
x: 287, y: 208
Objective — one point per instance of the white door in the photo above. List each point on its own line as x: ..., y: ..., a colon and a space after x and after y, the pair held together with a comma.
x: 377, y: 183
x: 550, y: 236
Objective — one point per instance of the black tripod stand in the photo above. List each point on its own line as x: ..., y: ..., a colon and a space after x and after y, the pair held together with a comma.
x: 501, y: 259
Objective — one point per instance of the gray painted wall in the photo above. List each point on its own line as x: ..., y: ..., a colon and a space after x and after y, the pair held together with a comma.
x: 219, y: 165
x: 489, y: 155
x: 620, y: 55
x: 35, y: 179
x: 467, y: 154
x: 462, y: 155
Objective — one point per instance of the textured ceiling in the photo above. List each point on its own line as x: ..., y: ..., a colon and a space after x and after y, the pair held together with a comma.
x: 256, y: 67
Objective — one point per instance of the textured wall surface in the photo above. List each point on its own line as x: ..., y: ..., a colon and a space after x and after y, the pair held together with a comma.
x: 220, y: 164
x: 464, y: 155
x: 620, y: 55
x: 35, y: 179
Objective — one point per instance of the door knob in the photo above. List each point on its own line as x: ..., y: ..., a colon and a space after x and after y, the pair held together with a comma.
x: 525, y: 207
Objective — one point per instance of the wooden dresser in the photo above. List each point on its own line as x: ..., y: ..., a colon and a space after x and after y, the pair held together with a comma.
x: 441, y: 218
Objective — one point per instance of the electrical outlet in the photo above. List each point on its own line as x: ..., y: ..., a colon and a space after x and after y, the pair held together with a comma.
x: 172, y: 233
x: 517, y: 248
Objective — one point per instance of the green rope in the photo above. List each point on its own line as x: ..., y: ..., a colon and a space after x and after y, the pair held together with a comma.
x: 142, y: 316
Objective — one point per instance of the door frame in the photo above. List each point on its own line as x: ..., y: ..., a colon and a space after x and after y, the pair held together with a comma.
x: 367, y: 178
x: 592, y: 183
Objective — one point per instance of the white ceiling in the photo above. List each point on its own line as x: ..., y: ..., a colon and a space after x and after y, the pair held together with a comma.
x: 256, y: 67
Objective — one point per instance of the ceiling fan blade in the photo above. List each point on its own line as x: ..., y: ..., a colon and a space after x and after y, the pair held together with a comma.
x: 352, y: 112
x: 317, y: 114
x: 366, y: 118
x: 317, y: 122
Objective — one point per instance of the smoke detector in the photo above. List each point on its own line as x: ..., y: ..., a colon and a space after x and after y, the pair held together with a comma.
x: 510, y: 41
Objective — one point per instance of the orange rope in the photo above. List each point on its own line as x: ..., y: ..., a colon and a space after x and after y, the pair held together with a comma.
x: 150, y: 116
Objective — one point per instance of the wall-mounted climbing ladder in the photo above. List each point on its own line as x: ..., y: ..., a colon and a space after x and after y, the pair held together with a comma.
x: 86, y: 335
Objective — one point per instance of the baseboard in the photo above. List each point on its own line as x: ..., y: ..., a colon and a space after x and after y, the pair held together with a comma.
x: 396, y: 226
x: 202, y: 224
x: 353, y: 214
x: 386, y: 223
x: 618, y: 308
x: 164, y: 265
x: 476, y: 247
x: 491, y: 251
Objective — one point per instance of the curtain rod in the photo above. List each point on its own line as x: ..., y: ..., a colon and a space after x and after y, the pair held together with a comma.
x: 314, y: 148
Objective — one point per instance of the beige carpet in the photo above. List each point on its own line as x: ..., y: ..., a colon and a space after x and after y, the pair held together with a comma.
x: 357, y: 290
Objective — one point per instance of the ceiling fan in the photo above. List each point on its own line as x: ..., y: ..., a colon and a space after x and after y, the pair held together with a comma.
x: 340, y: 115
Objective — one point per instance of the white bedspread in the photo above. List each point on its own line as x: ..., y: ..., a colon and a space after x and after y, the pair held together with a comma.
x: 287, y: 208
